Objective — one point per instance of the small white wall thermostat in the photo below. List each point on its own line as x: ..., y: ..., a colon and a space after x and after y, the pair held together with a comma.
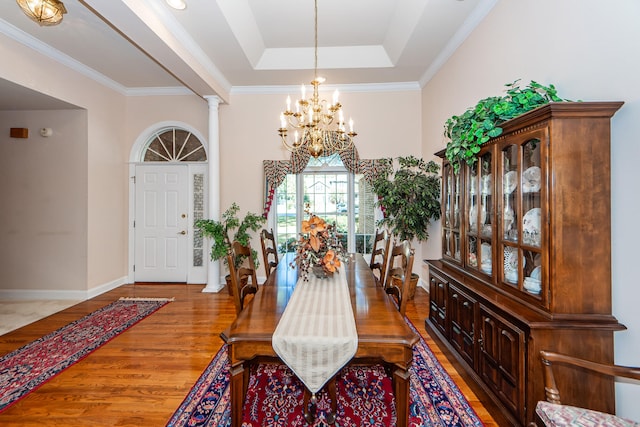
x: 46, y: 132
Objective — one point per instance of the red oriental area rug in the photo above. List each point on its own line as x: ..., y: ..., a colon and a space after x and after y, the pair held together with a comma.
x: 364, y: 393
x: 27, y: 368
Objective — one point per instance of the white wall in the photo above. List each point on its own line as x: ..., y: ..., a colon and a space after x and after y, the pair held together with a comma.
x: 589, y: 50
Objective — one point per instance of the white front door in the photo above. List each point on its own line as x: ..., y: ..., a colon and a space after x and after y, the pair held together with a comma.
x: 161, y: 223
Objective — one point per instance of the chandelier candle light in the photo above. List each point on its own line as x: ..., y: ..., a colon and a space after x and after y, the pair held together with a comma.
x: 318, y: 126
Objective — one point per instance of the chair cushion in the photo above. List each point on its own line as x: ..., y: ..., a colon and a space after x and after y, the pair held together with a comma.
x: 564, y: 415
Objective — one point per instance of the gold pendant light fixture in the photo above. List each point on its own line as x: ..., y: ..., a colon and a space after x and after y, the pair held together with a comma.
x: 317, y: 125
x: 44, y: 12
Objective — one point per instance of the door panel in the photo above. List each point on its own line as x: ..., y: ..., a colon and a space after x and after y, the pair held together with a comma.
x: 161, y: 223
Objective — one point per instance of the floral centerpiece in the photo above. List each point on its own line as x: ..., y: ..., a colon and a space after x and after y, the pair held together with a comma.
x: 319, y: 248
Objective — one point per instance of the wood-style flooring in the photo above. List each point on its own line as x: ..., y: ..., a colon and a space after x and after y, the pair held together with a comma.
x: 140, y: 377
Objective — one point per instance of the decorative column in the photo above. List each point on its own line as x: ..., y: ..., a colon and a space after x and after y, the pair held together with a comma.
x: 213, y: 276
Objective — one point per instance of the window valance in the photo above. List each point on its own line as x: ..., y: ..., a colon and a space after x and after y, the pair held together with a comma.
x: 275, y: 171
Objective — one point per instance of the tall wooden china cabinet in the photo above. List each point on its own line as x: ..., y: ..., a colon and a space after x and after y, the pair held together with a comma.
x: 526, y: 260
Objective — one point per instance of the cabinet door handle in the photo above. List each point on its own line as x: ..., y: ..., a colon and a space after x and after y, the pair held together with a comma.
x: 433, y: 280
x: 454, y: 296
x: 456, y: 329
x: 441, y: 285
x: 465, y: 304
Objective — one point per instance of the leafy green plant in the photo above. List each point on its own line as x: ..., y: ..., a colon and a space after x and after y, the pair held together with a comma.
x: 469, y: 131
x: 409, y: 197
x: 219, y: 232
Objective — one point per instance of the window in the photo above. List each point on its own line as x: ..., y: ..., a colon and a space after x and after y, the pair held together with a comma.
x: 174, y: 145
x: 332, y: 193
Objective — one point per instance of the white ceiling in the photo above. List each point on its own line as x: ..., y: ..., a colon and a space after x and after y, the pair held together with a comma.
x: 215, y: 47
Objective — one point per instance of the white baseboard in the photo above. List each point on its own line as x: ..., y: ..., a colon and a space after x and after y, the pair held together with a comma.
x: 98, y: 290
x: 53, y: 294
x: 423, y: 284
x: 33, y: 294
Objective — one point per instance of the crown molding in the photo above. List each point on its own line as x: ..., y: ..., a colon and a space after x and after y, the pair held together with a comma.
x: 363, y: 87
x: 44, y: 49
x: 49, y: 51
x: 168, y: 29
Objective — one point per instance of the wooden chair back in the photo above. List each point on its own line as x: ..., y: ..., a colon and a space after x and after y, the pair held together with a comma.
x: 243, y: 273
x: 553, y: 408
x: 399, y: 273
x: 269, y: 251
x: 380, y: 255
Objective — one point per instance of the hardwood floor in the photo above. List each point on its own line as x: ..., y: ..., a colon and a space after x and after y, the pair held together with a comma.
x: 140, y: 377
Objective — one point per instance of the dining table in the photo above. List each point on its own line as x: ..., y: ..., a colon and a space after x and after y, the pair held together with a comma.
x: 383, y: 335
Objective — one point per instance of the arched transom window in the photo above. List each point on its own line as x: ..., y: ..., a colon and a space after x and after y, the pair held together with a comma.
x: 174, y: 144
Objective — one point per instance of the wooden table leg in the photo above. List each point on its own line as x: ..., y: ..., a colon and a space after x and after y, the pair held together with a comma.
x: 401, y: 389
x: 308, y: 397
x: 333, y: 395
x: 309, y: 413
x: 237, y: 390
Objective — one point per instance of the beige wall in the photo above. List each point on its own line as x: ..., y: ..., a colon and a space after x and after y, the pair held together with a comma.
x: 104, y: 211
x: 146, y: 112
x: 589, y: 50
x: 43, y: 221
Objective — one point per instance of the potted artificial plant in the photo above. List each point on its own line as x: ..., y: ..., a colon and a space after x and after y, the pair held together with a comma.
x: 409, y: 197
x: 477, y: 125
x: 220, y: 233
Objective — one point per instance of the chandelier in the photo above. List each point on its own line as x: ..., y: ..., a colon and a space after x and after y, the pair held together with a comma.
x: 44, y: 12
x: 317, y: 125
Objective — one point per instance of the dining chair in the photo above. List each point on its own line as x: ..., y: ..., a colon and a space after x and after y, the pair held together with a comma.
x: 380, y: 255
x: 553, y: 413
x: 269, y: 251
x: 243, y: 273
x: 399, y: 274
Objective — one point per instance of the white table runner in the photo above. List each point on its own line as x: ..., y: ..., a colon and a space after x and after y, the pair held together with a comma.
x: 316, y: 335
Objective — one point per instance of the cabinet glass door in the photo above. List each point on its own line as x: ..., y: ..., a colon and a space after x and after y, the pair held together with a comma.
x: 521, y: 225
x: 531, y: 215
x: 451, y: 229
x: 511, y: 257
x: 473, y: 216
x: 486, y: 214
x: 479, y: 231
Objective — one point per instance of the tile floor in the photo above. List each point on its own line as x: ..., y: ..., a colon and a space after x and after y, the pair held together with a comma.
x: 17, y: 313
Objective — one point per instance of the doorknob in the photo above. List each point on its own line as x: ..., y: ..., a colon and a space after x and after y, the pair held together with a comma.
x: 183, y: 232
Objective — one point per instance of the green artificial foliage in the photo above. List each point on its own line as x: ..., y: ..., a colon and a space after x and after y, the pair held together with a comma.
x: 469, y: 131
x: 409, y: 197
x: 220, y: 231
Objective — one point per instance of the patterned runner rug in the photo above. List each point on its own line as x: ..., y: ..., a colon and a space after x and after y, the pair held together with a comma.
x: 365, y: 396
x: 27, y: 368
